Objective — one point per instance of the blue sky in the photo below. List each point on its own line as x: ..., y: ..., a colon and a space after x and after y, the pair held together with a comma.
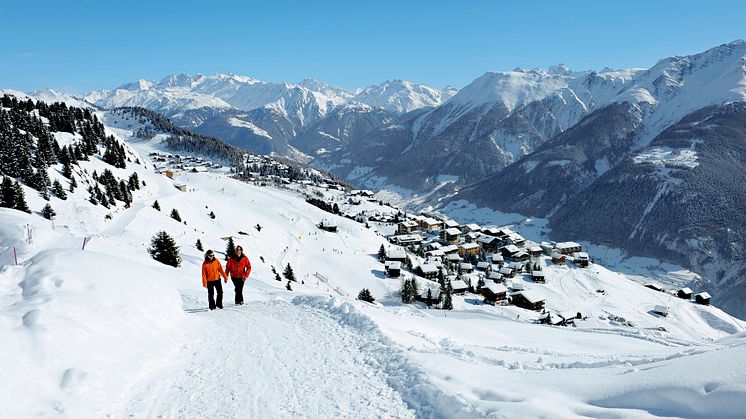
x: 83, y: 45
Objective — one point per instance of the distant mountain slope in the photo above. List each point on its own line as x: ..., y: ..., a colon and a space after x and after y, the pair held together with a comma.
x: 681, y: 198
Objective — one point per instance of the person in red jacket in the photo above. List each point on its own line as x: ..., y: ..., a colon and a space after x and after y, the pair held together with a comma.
x: 212, y: 270
x: 238, y: 268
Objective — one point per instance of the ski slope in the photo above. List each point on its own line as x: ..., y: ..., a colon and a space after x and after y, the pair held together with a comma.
x: 107, y: 331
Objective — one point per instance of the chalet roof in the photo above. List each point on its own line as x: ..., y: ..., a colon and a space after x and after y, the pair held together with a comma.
x: 486, y: 239
x: 459, y: 285
x: 496, y: 288
x: 428, y: 268
x: 472, y: 235
x: 466, y: 266
x: 451, y: 224
x: 450, y: 248
x: 537, y: 274
x: 394, y: 264
x: 454, y: 257
x: 517, y: 286
x: 581, y: 255
x: 328, y: 223
x: 495, y: 276
x: 704, y: 295
x: 396, y: 253
x: 483, y: 265
x: 686, y: 290
x: 659, y: 308
x: 435, y: 292
x: 408, y: 223
x: 511, y: 248
x: 497, y: 257
x: 535, y: 249
x: 430, y: 221
x: 519, y: 254
x: 567, y: 245
x: 558, y: 256
x: 473, y: 227
x: 653, y: 286
x: 437, y: 252
x: 506, y: 271
x: 468, y: 246
x: 516, y: 237
x: 453, y: 231
x: 531, y: 297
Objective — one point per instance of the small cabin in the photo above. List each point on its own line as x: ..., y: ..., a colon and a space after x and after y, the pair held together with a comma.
x: 468, y: 249
x: 506, y: 272
x: 660, y: 310
x: 406, y: 227
x: 428, y: 270
x: 515, y: 238
x: 434, y: 294
x: 451, y: 224
x: 170, y: 174
x: 558, y: 258
x: 458, y: 287
x: 453, y: 258
x: 451, y: 235
x: 528, y: 301
x: 488, y: 243
x: 396, y: 254
x: 538, y: 277
x: 702, y: 298
x: 466, y: 267
x: 474, y: 228
x: 520, y: 256
x: 568, y: 248
x: 495, y: 276
x: 581, y: 259
x: 430, y: 224
x: 495, y: 293
x: 483, y: 266
x: 535, y: 251
x: 181, y: 186
x: 497, y: 259
x: 509, y: 250
x: 393, y: 269
x: 328, y: 225
x: 517, y: 286
x: 684, y: 293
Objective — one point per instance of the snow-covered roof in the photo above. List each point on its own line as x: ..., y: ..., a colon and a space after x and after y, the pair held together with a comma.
x: 466, y: 266
x: 454, y: 257
x: 530, y: 296
x: 451, y: 224
x: 686, y: 290
x: 511, y: 248
x: 396, y: 253
x: 495, y: 276
x: 536, y: 249
x: 483, y: 265
x: 518, y: 286
x: 537, y: 274
x: 473, y: 227
x: 659, y: 308
x: 567, y: 245
x: 704, y: 295
x: 428, y: 268
x: 581, y: 255
x: 469, y: 246
x: 486, y: 239
x: 496, y: 288
x: 453, y: 231
x: 506, y: 270
x: 459, y: 284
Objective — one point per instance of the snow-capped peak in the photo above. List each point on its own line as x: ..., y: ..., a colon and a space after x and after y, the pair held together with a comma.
x: 400, y: 96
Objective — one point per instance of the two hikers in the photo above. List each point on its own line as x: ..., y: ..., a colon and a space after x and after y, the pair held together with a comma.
x: 238, y: 268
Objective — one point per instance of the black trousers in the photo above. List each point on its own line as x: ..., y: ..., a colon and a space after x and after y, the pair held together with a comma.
x: 211, y: 287
x: 238, y: 284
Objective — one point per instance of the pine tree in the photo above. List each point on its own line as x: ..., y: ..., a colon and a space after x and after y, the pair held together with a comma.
x: 289, y: 288
x: 212, y: 215
x: 199, y: 245
x: 277, y: 277
x: 429, y: 299
x: 7, y: 193
x: 175, y: 215
x: 382, y: 253
x: 406, y: 292
x: 20, y: 199
x: 163, y: 249
x: 288, y: 273
x: 230, y: 249
x: 365, y: 295
x: 446, y: 291
x: 413, y: 289
x: 59, y: 192
x: 156, y: 205
x: 47, y: 212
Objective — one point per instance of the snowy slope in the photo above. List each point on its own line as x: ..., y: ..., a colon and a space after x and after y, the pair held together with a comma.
x: 109, y: 331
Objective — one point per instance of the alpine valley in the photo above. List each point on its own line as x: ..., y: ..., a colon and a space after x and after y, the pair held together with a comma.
x: 651, y: 160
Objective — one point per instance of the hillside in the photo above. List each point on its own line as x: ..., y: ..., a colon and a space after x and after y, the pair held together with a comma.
x: 136, y: 338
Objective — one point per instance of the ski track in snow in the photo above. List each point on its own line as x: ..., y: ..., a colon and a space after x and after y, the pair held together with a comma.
x: 266, y: 359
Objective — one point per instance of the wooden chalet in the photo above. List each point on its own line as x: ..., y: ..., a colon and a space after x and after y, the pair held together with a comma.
x: 454, y: 258
x: 509, y: 250
x: 535, y: 251
x: 430, y: 224
x: 581, y: 259
x: 428, y: 270
x: 702, y: 298
x: 495, y: 276
x: 393, y: 269
x: 506, y: 272
x: 483, y: 266
x: 458, y: 286
x: 568, y: 248
x: 684, y: 293
x: 520, y: 256
x: 465, y: 267
x: 514, y: 238
x: 538, y: 277
x: 434, y: 294
x: 473, y: 228
x: 558, y: 258
x: 328, y: 225
x: 406, y: 227
x: 396, y: 254
x: 451, y: 224
x: 494, y: 293
x: 465, y: 249
x: 660, y: 310
x: 451, y: 235
x: 488, y: 243
x: 528, y: 300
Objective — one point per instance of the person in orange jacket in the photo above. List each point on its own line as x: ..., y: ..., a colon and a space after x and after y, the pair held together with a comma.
x: 239, y: 268
x: 212, y: 270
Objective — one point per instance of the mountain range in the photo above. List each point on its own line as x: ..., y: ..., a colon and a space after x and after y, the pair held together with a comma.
x: 650, y: 159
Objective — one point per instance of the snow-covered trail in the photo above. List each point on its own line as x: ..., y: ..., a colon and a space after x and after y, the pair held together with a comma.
x: 267, y: 358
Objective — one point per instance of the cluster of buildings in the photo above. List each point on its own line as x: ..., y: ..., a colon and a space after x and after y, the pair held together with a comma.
x: 485, y: 260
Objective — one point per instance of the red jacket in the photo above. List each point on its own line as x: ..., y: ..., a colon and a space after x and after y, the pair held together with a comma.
x: 238, y: 269
x: 212, y: 271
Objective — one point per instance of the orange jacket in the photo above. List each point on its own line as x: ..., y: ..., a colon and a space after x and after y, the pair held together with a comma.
x: 212, y: 271
x: 238, y: 269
